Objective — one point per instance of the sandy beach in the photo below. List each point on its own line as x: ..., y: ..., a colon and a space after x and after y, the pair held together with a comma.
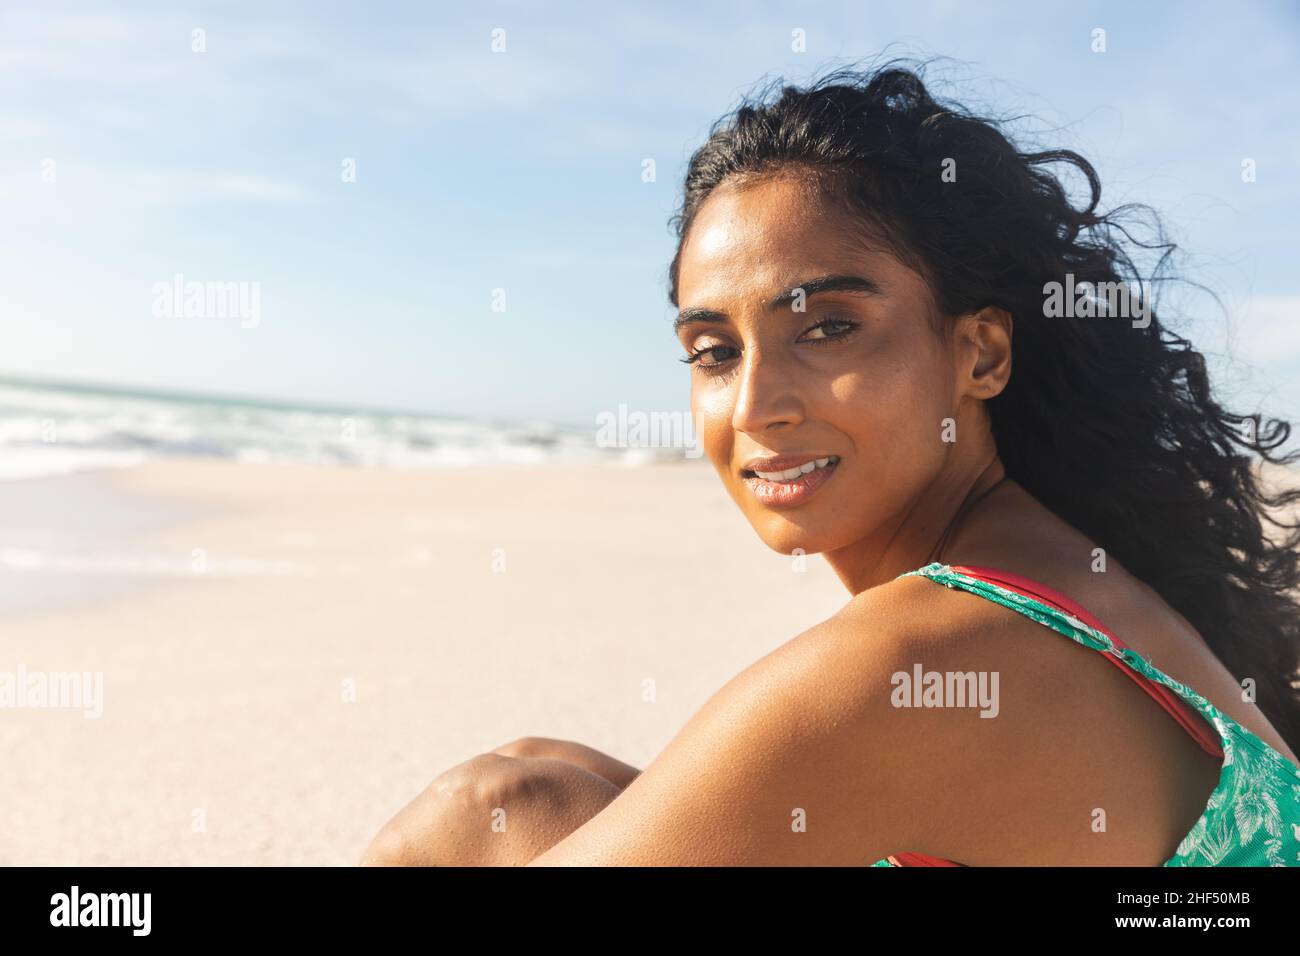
x: 289, y: 653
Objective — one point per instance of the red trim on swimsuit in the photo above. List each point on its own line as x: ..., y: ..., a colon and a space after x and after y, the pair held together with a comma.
x: 920, y: 859
x: 1175, y: 706
x: 1179, y: 709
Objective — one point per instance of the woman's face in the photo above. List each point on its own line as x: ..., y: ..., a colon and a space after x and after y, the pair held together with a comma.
x: 858, y: 377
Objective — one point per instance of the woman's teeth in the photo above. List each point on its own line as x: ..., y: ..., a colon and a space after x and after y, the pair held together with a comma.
x: 790, y: 474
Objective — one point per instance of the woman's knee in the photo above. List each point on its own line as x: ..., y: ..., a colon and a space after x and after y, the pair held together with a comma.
x: 523, y: 802
x: 492, y: 809
x: 588, y: 758
x: 482, y: 780
x: 533, y: 747
x: 462, y: 800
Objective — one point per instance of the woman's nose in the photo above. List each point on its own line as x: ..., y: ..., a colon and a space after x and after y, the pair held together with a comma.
x: 767, y: 395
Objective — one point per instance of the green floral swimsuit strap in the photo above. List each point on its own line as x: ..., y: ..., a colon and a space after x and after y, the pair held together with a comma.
x: 1253, y: 816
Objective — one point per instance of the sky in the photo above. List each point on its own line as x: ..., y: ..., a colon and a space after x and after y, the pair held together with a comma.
x: 375, y: 171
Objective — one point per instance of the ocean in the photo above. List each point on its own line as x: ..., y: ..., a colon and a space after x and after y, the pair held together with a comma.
x: 49, y: 428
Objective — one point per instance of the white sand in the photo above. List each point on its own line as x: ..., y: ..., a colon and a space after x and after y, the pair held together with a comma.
x: 226, y: 737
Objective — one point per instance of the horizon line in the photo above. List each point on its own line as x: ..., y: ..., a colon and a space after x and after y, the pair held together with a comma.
x: 262, y: 401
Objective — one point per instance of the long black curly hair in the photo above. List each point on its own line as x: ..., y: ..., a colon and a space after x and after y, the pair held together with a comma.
x: 1110, y: 423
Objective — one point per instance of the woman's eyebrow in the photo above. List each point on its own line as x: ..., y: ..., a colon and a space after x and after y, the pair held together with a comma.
x: 832, y: 283
x: 809, y: 288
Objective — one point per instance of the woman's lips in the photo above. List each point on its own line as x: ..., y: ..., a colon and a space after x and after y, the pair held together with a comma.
x: 785, y: 494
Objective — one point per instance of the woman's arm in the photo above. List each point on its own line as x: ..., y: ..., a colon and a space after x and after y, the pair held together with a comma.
x: 802, y: 759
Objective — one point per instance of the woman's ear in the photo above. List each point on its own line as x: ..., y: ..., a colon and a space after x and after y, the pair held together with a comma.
x: 985, y: 339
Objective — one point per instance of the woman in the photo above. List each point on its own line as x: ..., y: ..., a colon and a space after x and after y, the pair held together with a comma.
x: 869, y: 288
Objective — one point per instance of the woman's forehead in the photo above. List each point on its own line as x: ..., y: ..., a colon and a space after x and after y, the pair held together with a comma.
x: 738, y: 216
x: 731, y: 280
x: 761, y: 238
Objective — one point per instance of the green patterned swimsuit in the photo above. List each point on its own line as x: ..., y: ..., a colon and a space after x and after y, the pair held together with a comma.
x: 1253, y: 816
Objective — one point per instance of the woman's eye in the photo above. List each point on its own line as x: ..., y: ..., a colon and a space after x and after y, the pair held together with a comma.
x: 698, y: 357
x: 829, y: 329
x: 712, y: 356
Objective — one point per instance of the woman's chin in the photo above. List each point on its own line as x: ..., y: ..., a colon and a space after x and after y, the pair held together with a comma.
x: 794, y: 531
x: 793, y: 541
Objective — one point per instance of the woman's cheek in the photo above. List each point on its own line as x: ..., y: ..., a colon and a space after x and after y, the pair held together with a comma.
x: 861, y: 405
x: 711, y: 415
x: 888, y: 423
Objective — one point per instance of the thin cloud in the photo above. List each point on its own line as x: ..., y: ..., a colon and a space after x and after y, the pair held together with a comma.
x: 92, y: 187
x: 1268, y: 331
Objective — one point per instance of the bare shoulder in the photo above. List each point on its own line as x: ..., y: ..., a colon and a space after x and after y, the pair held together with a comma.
x: 920, y: 673
x: 882, y: 632
x: 1032, y: 720
x: 997, y: 711
x: 914, y: 719
x: 803, y: 757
